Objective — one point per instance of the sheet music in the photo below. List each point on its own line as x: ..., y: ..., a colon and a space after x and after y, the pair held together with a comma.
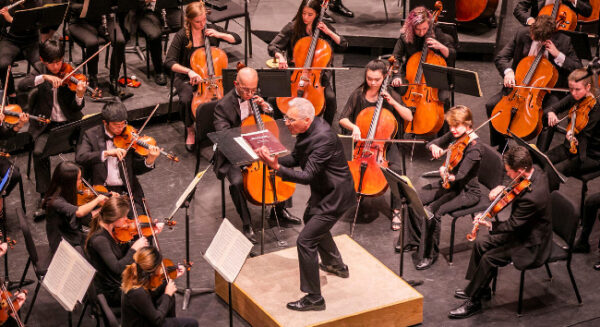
x: 240, y: 140
x: 69, y: 276
x: 228, y: 251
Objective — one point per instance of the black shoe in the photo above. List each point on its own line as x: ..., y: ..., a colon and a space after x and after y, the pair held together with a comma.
x: 305, y: 304
x: 467, y: 309
x: 249, y: 233
x: 93, y: 81
x: 597, y: 266
x: 426, y: 263
x: 40, y: 213
x: 581, y: 247
x: 114, y: 87
x: 160, y: 79
x: 486, y: 294
x: 339, y: 8
x: 340, y: 272
x: 328, y: 19
x: 410, y: 248
x: 283, y: 214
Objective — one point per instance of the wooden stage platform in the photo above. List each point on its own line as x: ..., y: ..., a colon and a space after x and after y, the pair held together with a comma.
x: 373, y: 295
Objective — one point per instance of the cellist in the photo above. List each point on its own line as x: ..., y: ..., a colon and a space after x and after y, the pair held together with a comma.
x: 528, y: 41
x: 463, y: 189
x: 185, y: 42
x: 526, y: 11
x: 304, y: 24
x: 418, y: 29
x: 366, y: 96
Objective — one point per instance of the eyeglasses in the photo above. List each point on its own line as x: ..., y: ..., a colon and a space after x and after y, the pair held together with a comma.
x: 247, y: 89
x: 289, y: 119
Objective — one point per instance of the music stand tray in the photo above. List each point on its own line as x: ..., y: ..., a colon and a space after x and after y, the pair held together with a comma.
x: 64, y: 138
x: 581, y: 44
x: 453, y: 79
x: 541, y: 158
x: 271, y: 82
x: 42, y: 17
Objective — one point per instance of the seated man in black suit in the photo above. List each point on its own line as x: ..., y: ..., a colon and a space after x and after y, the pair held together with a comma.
x: 526, y: 11
x: 102, y: 160
x: 230, y: 111
x: 524, y: 239
x: 54, y: 101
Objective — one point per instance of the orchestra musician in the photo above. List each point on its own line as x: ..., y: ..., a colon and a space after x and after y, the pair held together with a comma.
x: 152, y: 22
x: 463, y: 190
x: 90, y: 32
x: 21, y: 297
x: 528, y: 41
x: 230, y: 111
x: 100, y: 157
x: 54, y: 100
x: 143, y: 304
x: 304, y: 24
x: 418, y: 29
x: 524, y: 239
x: 590, y: 214
x: 366, y: 95
x: 587, y: 140
x: 526, y: 11
x: 185, y: 42
x: 64, y: 216
x: 7, y: 131
x: 320, y: 155
x: 16, y: 41
x: 106, y: 253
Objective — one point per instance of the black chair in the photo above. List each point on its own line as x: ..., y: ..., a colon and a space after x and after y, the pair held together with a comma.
x: 585, y: 178
x: 38, y: 256
x: 490, y: 175
x: 110, y: 318
x: 565, y: 220
x: 234, y: 11
x: 172, y: 92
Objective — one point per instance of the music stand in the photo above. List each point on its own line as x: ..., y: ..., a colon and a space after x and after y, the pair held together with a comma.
x: 581, y: 44
x: 453, y: 79
x: 271, y: 82
x: 41, y: 17
x: 401, y: 188
x: 65, y: 138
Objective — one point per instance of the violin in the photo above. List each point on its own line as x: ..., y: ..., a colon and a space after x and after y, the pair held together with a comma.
x: 580, y: 116
x: 171, y: 272
x: 86, y: 194
x: 469, y: 10
x: 311, y: 52
x: 9, y: 305
x: 374, y: 123
x: 130, y: 138
x: 428, y: 117
x: 566, y: 18
x: 208, y: 62
x: 454, y: 156
x: 74, y: 79
x: 126, y: 232
x: 509, y: 193
x: 12, y: 114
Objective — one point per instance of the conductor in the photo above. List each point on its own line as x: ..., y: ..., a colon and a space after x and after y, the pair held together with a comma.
x: 320, y: 155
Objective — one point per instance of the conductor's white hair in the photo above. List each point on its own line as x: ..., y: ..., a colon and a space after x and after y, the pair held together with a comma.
x: 305, y: 108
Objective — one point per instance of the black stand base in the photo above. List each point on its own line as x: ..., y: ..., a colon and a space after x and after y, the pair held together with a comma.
x: 14, y: 285
x: 188, y: 293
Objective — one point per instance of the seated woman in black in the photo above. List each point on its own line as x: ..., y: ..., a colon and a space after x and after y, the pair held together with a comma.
x: 185, y: 42
x: 304, y: 24
x: 63, y: 217
x: 106, y: 253
x: 366, y: 95
x: 463, y: 190
x: 143, y: 305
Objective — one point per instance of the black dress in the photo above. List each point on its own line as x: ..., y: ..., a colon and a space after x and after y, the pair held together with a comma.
x: 62, y: 221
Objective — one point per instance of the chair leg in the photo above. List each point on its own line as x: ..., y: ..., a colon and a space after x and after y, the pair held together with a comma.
x: 22, y: 281
x: 548, y: 271
x: 223, y: 198
x: 22, y: 194
x: 35, y: 294
x: 170, y: 98
x: 29, y: 160
x: 573, y: 282
x: 584, y: 189
x: 494, y: 281
x: 521, y: 286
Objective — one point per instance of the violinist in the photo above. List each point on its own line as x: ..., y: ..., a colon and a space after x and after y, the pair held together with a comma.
x: 106, y: 252
x: 366, y: 95
x: 528, y: 41
x: 320, y: 155
x: 64, y: 216
x: 463, y: 190
x: 153, y: 23
x: 230, y: 111
x: 417, y: 30
x: 304, y: 24
x: 16, y: 41
x: 54, y: 100
x: 524, y: 239
x: 101, y: 158
x: 185, y: 42
x: 144, y: 304
x: 90, y: 32
x: 527, y: 10
x: 21, y: 297
x: 586, y: 142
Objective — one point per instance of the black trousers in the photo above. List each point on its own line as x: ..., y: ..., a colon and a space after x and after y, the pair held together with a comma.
x: 569, y: 164
x: 41, y: 165
x: 236, y: 189
x: 315, y: 239
x: 394, y: 158
x: 590, y: 212
x: 440, y: 202
x: 87, y: 34
x: 330, y: 104
x: 498, y: 139
x: 151, y: 26
x: 9, y: 50
x: 185, y: 91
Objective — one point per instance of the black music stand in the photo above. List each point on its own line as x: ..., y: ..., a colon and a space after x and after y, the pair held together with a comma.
x: 41, y: 17
x: 65, y: 138
x: 453, y: 79
x: 400, y: 187
x: 238, y: 156
x: 271, y: 82
x: 581, y: 44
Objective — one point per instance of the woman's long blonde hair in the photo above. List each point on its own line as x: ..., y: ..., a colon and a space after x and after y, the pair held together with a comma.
x: 192, y: 11
x: 138, y: 274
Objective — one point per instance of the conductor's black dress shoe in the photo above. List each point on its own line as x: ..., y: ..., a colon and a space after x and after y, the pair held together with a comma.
x: 305, y: 304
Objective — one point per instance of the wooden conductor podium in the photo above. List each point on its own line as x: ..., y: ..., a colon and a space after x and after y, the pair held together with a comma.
x: 373, y: 295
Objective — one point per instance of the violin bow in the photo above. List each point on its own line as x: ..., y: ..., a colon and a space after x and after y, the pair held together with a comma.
x: 139, y: 132
x: 84, y: 62
x: 5, y: 89
x: 475, y: 130
x: 155, y: 239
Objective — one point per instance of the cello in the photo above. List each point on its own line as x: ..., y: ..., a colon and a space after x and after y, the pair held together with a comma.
x: 312, y: 52
x: 428, y: 117
x: 208, y: 62
x: 595, y: 13
x: 469, y: 10
x: 566, y: 18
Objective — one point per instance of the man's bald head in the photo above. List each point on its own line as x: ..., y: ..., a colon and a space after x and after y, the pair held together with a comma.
x: 246, y: 82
